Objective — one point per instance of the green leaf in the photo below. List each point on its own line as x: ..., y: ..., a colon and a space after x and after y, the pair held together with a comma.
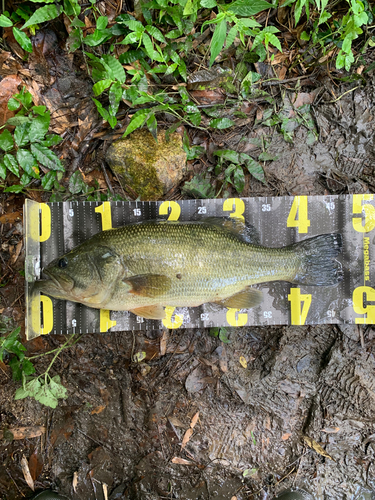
x: 208, y: 4
x: 46, y: 397
x: 33, y: 386
x: 43, y: 14
x: 46, y: 157
x: 195, y: 118
x: 221, y: 123
x: 22, y: 39
x: 6, y: 141
x: 39, y: 110
x: 228, y: 154
x: 11, y: 164
x: 114, y: 68
x: 102, y: 111
x: 148, y: 46
x: 48, y: 180
x: 13, y: 104
x: 74, y: 41
x: 5, y: 22
x: 25, y: 179
x: 188, y: 9
x: 16, y: 188
x: 39, y: 127
x: 101, y: 22
x: 200, y: 186
x: 256, y: 170
x: 18, y: 120
x: 3, y: 169
x: 51, y: 140
x: 273, y: 40
x: 25, y: 97
x: 218, y: 39
x: 57, y: 389
x: 21, y: 134
x: 114, y: 95
x: 8, y: 343
x: 101, y: 86
x: 28, y: 163
x: 239, y: 180
x: 21, y: 393
x: 231, y: 37
x: 247, y: 8
x: 138, y: 120
x: 156, y: 33
x: 27, y: 367
x: 76, y: 182
x: 152, y: 125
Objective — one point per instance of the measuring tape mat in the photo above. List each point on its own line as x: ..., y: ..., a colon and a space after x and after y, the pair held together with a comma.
x: 52, y: 229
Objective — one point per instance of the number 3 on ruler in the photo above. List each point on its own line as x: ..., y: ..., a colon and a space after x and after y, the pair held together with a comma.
x: 239, y: 208
x: 302, y: 223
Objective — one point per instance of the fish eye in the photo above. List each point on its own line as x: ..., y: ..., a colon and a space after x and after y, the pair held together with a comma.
x: 62, y: 263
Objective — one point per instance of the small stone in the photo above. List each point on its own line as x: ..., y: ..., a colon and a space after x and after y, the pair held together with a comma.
x: 148, y: 167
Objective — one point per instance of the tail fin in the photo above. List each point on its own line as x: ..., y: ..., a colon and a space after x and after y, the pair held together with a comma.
x: 319, y: 265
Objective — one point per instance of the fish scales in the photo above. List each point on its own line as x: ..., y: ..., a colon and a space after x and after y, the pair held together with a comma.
x: 203, y: 263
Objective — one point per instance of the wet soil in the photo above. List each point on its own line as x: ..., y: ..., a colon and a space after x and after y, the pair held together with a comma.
x: 125, y: 426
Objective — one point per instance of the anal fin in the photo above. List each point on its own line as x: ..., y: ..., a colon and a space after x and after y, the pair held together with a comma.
x: 149, y: 312
x: 246, y: 299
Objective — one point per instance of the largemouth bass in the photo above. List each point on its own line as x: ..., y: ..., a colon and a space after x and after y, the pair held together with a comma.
x: 147, y: 266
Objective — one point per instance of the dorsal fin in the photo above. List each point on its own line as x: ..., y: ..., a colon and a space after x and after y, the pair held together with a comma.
x: 245, y: 232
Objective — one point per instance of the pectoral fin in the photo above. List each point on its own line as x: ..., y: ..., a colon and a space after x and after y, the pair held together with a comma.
x: 148, y: 285
x: 150, y: 312
x: 248, y: 298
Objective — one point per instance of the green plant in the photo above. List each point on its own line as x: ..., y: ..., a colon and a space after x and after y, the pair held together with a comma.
x: 43, y: 388
x: 29, y: 145
x: 221, y: 333
x: 47, y: 12
x: 233, y: 173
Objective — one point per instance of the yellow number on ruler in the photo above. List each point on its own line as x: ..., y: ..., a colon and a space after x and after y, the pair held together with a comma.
x: 298, y: 312
x: 302, y: 223
x: 105, y: 211
x: 44, y: 232
x: 105, y: 320
x: 47, y: 314
x: 359, y: 308
x: 369, y: 210
x: 173, y: 206
x: 172, y: 321
x: 234, y: 317
x: 239, y: 208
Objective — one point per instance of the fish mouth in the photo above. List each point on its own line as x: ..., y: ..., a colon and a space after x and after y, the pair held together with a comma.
x: 53, y: 286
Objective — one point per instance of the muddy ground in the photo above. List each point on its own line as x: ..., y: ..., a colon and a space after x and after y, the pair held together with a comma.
x: 123, y: 424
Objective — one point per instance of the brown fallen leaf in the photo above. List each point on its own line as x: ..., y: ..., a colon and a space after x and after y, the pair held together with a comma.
x: 26, y: 472
x: 35, y: 464
x: 10, y: 218
x: 17, y: 251
x: 26, y: 432
x: 163, y: 343
x: 8, y: 87
x: 286, y: 436
x: 181, y: 461
x: 186, y: 437
x: 97, y: 409
x: 194, y: 420
x: 311, y: 443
